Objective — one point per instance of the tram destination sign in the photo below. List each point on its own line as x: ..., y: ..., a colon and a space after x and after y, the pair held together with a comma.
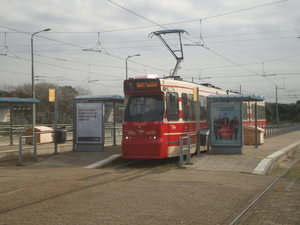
x: 147, y: 84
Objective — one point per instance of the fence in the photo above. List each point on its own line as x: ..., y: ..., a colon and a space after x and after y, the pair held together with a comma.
x: 188, y: 149
x: 34, y: 141
x: 274, y: 130
x: 112, y: 135
x: 7, y: 133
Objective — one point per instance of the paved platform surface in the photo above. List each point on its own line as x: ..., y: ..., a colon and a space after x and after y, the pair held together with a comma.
x: 252, y: 160
x: 214, y: 190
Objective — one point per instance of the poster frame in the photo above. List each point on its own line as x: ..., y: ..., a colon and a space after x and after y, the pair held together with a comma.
x: 88, y: 124
x: 225, y: 109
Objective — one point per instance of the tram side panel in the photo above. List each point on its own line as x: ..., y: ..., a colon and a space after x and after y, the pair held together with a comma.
x: 158, y: 137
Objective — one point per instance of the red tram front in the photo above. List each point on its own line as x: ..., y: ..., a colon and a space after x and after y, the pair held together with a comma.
x: 143, y: 119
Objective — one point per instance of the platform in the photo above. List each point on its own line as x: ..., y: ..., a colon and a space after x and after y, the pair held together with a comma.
x: 252, y: 160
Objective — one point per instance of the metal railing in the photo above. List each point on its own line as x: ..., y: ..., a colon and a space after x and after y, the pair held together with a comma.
x: 8, y: 132
x: 113, y: 135
x: 20, y: 161
x: 110, y: 131
x: 187, y: 148
x: 275, y: 130
x: 34, y: 146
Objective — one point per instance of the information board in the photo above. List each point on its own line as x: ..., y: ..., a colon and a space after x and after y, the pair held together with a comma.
x: 89, y: 118
x: 4, y: 114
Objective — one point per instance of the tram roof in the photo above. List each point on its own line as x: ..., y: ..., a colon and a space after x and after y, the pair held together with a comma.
x: 19, y: 100
x: 238, y: 97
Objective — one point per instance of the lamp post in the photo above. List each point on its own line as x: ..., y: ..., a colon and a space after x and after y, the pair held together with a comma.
x: 126, y: 63
x: 32, y: 78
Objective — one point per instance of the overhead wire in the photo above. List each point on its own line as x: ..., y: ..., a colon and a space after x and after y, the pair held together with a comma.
x: 237, y: 11
x: 175, y: 23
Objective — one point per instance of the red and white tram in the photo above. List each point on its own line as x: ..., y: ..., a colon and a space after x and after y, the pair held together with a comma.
x: 159, y: 111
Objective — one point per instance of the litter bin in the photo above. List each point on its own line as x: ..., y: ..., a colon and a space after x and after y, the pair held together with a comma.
x: 249, y: 136
x: 204, y: 137
x: 60, y: 136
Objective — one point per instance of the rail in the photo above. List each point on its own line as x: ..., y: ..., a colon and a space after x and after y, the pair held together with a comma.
x: 263, y: 193
x: 21, y: 148
x: 110, y: 134
x: 113, y: 130
x: 34, y: 146
x: 7, y: 131
x: 20, y: 161
x: 188, y: 148
x: 275, y: 130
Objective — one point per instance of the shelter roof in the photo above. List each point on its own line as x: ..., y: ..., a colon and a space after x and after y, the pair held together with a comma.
x: 101, y: 97
x: 19, y: 100
x: 238, y: 97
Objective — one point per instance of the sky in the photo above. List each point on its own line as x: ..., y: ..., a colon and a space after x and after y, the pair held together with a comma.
x: 248, y: 46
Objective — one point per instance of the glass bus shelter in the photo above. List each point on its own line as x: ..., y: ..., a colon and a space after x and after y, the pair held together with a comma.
x: 97, y: 121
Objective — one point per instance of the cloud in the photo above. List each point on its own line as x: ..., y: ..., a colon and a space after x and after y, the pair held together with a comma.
x: 241, y: 37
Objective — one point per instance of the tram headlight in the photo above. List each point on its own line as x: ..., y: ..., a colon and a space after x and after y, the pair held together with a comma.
x: 152, y: 137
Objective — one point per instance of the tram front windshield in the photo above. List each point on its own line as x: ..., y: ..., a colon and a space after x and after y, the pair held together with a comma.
x: 144, y: 108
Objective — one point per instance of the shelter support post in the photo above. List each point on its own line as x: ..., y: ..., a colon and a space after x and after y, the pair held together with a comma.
x: 256, y: 130
x: 20, y: 162
x: 11, y: 125
x: 34, y: 147
x: 114, y: 129
x: 55, y: 121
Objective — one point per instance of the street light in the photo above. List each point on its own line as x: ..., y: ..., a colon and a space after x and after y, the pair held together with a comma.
x: 126, y: 63
x: 32, y: 78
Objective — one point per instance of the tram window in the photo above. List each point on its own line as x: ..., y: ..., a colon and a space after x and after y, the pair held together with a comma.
x: 192, y: 108
x: 144, y: 108
x: 261, y: 113
x: 253, y: 111
x: 245, y: 111
x: 172, y: 106
x: 202, y: 107
x: 185, y: 110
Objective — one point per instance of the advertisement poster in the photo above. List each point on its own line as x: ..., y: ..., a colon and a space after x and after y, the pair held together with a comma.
x: 109, y: 113
x: 89, y: 122
x: 226, y: 124
x: 4, y: 115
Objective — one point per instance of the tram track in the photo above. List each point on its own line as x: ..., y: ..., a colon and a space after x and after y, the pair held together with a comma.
x: 118, y: 172
x: 68, y: 192
x: 263, y: 194
x: 113, y: 173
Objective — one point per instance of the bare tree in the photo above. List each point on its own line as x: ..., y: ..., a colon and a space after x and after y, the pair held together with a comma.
x: 45, y: 109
